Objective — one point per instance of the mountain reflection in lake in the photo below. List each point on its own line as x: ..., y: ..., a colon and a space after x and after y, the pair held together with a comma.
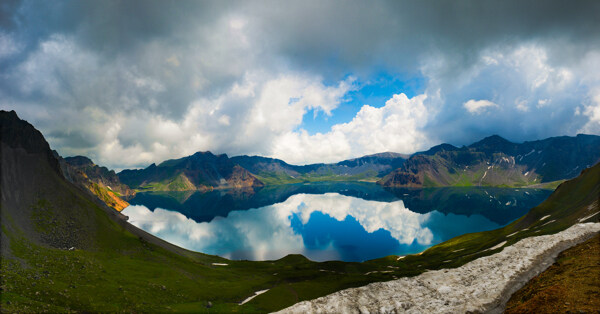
x: 325, y: 221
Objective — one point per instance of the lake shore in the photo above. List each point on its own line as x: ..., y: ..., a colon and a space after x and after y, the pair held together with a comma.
x: 483, y: 285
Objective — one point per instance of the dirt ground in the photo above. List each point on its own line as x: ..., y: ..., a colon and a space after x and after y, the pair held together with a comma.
x: 571, y: 285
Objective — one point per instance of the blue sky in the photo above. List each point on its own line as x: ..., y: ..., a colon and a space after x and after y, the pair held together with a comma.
x: 374, y: 92
x: 129, y: 83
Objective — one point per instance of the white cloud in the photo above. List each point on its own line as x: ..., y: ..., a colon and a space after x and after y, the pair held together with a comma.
x: 8, y: 45
x: 524, y: 91
x: 397, y: 126
x: 478, y: 106
x: 592, y: 112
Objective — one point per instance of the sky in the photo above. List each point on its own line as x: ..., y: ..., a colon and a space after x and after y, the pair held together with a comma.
x: 129, y: 83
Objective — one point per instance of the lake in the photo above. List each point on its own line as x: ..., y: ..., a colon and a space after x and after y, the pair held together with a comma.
x: 325, y: 221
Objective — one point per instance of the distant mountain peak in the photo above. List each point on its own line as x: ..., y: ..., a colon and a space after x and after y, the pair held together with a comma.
x: 385, y: 155
x: 79, y: 161
x: 492, y: 140
x: 438, y: 148
x: 17, y: 133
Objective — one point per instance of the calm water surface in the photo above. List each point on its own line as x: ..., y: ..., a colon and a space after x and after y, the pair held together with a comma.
x: 325, y: 221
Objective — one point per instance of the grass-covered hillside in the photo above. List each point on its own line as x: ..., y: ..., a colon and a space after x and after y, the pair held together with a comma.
x: 63, y: 251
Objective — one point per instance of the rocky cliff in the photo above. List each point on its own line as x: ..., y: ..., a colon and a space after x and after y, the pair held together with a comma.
x: 100, y: 181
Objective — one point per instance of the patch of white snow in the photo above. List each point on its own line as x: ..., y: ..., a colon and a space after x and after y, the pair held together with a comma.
x: 588, y: 217
x: 257, y: 293
x: 482, y: 285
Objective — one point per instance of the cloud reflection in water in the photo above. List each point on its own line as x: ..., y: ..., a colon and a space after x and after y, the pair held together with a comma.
x: 321, y: 227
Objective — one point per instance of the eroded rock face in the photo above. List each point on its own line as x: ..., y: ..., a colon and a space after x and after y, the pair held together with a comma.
x: 483, y: 285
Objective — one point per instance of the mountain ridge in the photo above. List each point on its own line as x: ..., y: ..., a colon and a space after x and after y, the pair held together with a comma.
x: 495, y: 161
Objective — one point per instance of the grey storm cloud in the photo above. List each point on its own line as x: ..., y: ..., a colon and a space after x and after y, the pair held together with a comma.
x: 344, y: 35
x: 84, y: 64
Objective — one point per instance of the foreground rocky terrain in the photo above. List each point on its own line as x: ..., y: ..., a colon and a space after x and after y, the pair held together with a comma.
x: 571, y: 284
x: 483, y: 285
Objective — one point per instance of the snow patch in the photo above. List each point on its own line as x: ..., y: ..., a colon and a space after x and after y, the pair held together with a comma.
x: 482, y: 285
x: 497, y: 246
x: 531, y: 152
x: 549, y: 222
x: 257, y: 293
x: 543, y: 218
x: 219, y: 264
x: 588, y: 217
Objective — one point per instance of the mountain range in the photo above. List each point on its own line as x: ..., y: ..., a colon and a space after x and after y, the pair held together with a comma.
x: 200, y: 171
x: 64, y: 250
x: 494, y: 161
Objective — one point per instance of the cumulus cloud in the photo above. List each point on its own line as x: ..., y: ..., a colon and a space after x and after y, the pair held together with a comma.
x: 129, y: 83
x: 478, y: 106
x: 397, y: 126
x: 530, y: 95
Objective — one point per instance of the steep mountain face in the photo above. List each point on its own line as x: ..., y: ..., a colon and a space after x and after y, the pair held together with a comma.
x: 275, y: 171
x: 201, y: 171
x: 100, y: 181
x: 18, y: 134
x: 37, y: 201
x: 495, y: 161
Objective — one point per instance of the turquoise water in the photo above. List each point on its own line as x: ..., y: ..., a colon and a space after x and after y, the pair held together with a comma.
x: 325, y: 221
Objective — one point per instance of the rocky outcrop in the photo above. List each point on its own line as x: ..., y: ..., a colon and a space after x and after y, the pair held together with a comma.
x: 100, y: 181
x: 403, y: 179
x: 482, y: 285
